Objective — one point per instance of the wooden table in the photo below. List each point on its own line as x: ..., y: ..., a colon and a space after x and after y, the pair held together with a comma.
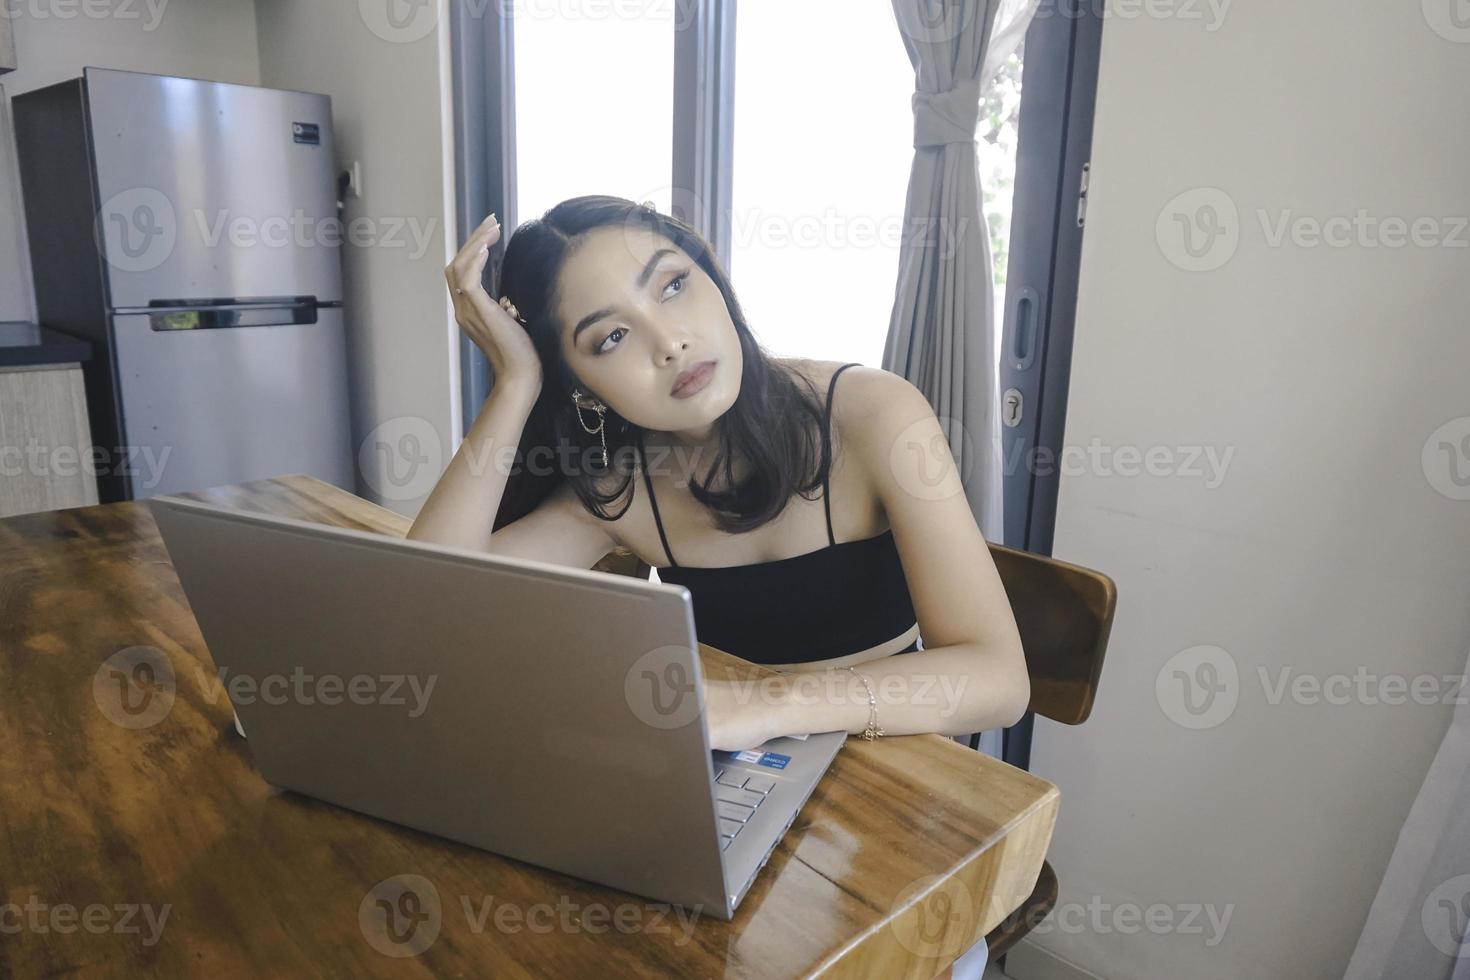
x: 159, y: 849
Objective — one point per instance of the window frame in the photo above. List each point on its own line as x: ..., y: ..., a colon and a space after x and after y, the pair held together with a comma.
x: 482, y: 49
x: 1054, y: 145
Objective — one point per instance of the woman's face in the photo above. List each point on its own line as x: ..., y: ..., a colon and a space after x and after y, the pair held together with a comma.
x: 635, y: 312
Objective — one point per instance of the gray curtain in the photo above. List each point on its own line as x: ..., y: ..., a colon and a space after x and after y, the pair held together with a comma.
x: 1418, y: 923
x: 942, y: 334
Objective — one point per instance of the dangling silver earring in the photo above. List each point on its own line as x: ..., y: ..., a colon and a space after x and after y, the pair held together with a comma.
x: 601, y: 429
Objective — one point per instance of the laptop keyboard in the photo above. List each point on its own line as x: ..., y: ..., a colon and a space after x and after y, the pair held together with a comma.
x: 737, y: 795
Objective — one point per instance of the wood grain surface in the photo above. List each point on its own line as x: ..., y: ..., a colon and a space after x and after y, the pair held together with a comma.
x: 45, y: 441
x: 156, y: 848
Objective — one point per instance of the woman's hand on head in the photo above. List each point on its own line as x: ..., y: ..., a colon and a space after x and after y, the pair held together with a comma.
x: 487, y: 323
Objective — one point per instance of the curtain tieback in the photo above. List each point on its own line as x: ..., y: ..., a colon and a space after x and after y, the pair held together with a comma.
x: 947, y: 117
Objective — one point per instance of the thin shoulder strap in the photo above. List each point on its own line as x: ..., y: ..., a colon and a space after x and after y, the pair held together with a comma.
x: 827, y: 450
x: 642, y: 465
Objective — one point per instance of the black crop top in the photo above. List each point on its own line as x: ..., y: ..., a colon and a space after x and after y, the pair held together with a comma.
x: 827, y: 603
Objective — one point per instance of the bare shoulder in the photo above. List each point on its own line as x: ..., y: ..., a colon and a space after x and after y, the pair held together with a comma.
x: 870, y: 382
x: 873, y: 412
x: 871, y: 401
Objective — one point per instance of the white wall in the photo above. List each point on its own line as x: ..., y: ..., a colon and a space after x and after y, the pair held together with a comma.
x: 389, y: 86
x: 1327, y: 547
x: 53, y: 42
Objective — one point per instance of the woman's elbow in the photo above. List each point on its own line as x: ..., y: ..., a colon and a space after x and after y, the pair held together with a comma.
x: 1013, y: 690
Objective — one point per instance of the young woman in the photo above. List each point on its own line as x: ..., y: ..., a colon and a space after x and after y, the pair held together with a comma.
x: 623, y: 364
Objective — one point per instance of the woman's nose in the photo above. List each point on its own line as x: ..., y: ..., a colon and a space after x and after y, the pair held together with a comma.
x: 669, y: 340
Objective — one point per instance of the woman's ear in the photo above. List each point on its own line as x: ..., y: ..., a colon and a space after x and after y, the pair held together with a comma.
x: 589, y: 402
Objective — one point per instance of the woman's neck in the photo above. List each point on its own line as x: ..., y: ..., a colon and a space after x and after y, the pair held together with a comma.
x: 682, y: 459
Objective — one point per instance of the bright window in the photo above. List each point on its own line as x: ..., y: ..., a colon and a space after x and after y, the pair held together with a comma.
x: 594, y: 94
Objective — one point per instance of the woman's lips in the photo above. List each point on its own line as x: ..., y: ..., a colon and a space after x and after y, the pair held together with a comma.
x: 697, y: 379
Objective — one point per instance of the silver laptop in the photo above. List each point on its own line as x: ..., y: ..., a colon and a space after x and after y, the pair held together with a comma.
x: 546, y: 713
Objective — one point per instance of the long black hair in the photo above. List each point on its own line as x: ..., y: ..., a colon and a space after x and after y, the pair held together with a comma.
x: 775, y: 424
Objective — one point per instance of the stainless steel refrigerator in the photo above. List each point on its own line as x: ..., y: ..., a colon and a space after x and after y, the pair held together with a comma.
x: 190, y: 230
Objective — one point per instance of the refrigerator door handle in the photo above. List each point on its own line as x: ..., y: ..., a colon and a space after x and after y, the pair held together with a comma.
x: 206, y: 314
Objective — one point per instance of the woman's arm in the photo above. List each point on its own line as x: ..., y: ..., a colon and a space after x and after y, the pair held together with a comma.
x: 955, y: 689
x: 461, y: 509
x: 971, y: 676
x: 462, y: 506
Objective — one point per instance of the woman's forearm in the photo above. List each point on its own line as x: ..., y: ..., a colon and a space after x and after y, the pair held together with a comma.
x: 461, y: 509
x: 950, y: 690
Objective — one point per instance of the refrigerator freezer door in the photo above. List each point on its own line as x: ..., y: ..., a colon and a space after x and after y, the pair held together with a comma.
x: 212, y: 190
x: 207, y: 407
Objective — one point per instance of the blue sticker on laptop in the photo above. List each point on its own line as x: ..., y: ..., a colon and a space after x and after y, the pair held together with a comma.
x: 771, y: 760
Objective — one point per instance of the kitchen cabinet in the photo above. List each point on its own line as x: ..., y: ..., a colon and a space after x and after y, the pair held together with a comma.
x: 46, y: 455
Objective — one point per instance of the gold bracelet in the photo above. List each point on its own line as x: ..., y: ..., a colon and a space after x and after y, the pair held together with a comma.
x: 874, y: 729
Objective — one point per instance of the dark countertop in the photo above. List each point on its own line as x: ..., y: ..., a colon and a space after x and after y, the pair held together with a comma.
x: 23, y: 343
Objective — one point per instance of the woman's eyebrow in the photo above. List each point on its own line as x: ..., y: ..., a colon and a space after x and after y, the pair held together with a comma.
x: 641, y: 281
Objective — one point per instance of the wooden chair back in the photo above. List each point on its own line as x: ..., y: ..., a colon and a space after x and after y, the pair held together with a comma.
x: 1064, y: 613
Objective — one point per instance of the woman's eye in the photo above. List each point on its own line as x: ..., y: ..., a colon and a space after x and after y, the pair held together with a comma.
x: 678, y: 280
x: 601, y: 348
